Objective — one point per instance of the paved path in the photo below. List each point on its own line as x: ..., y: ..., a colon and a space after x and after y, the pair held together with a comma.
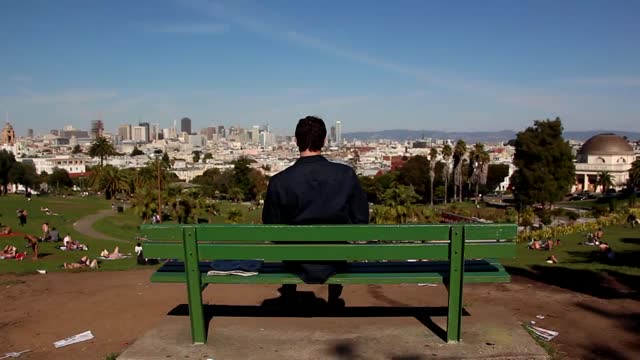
x: 85, y: 226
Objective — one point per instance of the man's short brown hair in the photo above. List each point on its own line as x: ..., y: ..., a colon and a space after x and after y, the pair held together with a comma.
x: 310, y: 134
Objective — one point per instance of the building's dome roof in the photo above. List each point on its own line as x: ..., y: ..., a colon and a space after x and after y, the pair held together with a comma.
x: 606, y: 144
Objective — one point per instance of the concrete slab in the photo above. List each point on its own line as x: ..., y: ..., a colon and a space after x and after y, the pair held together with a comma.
x: 354, y: 333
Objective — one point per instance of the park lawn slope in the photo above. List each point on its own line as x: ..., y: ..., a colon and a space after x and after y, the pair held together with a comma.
x: 70, y: 209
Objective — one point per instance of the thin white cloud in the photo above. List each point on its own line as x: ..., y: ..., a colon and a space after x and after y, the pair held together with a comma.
x: 189, y: 29
x: 21, y: 79
x: 71, y: 96
x: 613, y: 81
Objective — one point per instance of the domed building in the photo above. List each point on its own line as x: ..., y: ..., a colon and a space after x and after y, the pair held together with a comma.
x: 603, y: 152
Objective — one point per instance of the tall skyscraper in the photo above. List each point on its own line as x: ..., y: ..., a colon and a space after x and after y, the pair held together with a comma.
x: 332, y: 134
x: 154, y: 131
x: 221, y: 132
x: 139, y: 134
x: 97, y: 128
x: 255, y: 134
x: 147, y: 131
x: 124, y: 131
x: 339, y: 132
x: 30, y: 133
x: 185, y: 125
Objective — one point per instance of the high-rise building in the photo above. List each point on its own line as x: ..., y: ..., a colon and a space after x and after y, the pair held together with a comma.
x: 255, y: 134
x: 147, y: 131
x: 209, y: 132
x: 185, y: 125
x: 332, y: 134
x: 124, y: 131
x: 338, y: 132
x: 97, y: 128
x: 139, y: 134
x: 221, y: 132
x: 30, y: 133
x: 154, y: 132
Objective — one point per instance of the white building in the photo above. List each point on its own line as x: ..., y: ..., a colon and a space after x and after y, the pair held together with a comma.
x: 603, y: 153
x: 72, y: 164
x: 139, y: 134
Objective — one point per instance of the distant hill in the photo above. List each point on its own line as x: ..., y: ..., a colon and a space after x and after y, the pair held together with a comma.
x: 471, y: 137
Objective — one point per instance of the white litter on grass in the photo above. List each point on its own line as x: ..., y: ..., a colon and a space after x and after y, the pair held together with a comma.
x: 427, y: 284
x: 87, y: 335
x: 14, y: 354
x: 544, y: 334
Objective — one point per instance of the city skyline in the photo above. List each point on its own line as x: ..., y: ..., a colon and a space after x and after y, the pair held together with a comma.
x: 464, y: 66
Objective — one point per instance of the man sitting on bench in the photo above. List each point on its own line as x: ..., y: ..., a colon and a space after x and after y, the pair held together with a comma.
x: 314, y: 191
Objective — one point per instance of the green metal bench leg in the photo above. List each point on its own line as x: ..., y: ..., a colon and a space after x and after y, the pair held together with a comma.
x: 456, y: 271
x: 194, y: 287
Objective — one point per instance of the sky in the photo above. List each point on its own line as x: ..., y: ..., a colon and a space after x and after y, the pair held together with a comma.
x: 373, y: 65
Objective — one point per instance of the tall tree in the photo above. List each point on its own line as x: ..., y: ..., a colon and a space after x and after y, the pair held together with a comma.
x: 7, y: 160
x: 77, y: 149
x: 459, y: 152
x: 605, y: 179
x: 433, y: 156
x: 415, y: 172
x: 109, y: 180
x: 136, y: 151
x: 59, y: 178
x: 446, y: 156
x: 196, y: 155
x: 544, y: 164
x: 23, y: 174
x: 479, y: 160
x: 102, y: 148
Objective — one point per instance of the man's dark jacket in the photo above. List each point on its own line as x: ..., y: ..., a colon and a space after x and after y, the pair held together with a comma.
x: 315, y: 191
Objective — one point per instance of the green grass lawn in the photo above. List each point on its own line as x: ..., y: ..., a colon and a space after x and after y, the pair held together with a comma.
x: 70, y: 209
x: 125, y: 225
x: 624, y: 240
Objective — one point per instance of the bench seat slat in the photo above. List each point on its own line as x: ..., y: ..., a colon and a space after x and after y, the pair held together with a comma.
x: 357, y: 273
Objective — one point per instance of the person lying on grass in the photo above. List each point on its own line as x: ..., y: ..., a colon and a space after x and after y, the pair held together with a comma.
x: 82, y: 263
x: 114, y: 255
x: 9, y: 252
x: 541, y: 245
x: 5, y: 229
x: 71, y: 244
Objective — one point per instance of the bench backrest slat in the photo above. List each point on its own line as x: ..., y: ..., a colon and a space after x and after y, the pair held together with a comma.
x: 270, y: 252
x: 326, y: 233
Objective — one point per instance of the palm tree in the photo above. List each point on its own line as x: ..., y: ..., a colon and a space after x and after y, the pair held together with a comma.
x: 399, y: 200
x: 479, y: 158
x: 379, y: 214
x: 113, y: 181
x: 606, y: 180
x: 446, y: 156
x: 144, y: 203
x: 634, y: 173
x: 102, y: 148
x: 433, y: 155
x: 235, y: 216
x: 236, y: 194
x: 459, y: 151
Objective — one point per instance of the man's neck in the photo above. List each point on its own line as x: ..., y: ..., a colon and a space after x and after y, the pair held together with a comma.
x: 309, y: 153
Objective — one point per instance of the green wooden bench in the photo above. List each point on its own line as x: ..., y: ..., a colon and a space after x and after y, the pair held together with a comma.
x: 376, y: 255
